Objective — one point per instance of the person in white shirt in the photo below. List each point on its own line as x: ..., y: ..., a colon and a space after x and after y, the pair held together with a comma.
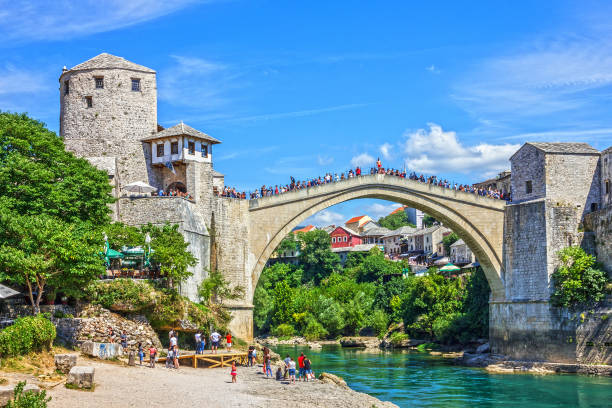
x: 214, y: 338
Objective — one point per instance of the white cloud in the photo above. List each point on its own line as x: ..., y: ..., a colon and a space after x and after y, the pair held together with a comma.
x: 19, y: 81
x: 324, y: 160
x: 295, y: 114
x: 324, y: 218
x: 544, y: 77
x: 362, y: 160
x: 60, y: 19
x: 436, y: 151
x: 432, y: 68
x: 377, y: 210
x: 385, y: 150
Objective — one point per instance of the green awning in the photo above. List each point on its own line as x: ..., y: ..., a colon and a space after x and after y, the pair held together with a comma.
x: 449, y: 267
x: 112, y: 254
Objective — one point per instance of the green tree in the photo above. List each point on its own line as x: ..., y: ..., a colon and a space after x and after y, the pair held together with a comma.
x: 216, y: 289
x: 288, y: 244
x: 577, y: 281
x: 120, y: 235
x: 283, y: 303
x: 38, y: 251
x: 171, y: 252
x: 39, y: 177
x: 375, y: 266
x: 316, y: 257
x: 428, y: 221
x: 263, y: 307
x: 395, y: 221
x: 449, y: 240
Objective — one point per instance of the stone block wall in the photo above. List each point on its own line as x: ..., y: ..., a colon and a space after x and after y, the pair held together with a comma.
x: 527, y: 164
x: 599, y: 225
x: 117, y: 121
x: 573, y: 180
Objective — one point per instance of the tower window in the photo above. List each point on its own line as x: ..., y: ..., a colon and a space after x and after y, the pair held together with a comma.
x: 136, y: 84
x: 66, y: 87
x: 593, y: 207
x: 99, y: 82
x: 89, y: 101
x: 174, y: 148
x: 160, y: 150
x: 607, y: 186
x: 204, y: 150
x: 191, y: 147
x: 528, y: 187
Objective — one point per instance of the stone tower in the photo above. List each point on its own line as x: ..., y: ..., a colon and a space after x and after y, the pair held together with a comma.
x: 107, y: 106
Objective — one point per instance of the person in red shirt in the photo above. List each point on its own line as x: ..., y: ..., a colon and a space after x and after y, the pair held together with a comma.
x: 358, y: 171
x: 301, y: 372
x: 228, y: 341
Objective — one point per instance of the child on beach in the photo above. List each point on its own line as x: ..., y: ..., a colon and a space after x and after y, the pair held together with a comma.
x: 152, y: 355
x: 234, y: 372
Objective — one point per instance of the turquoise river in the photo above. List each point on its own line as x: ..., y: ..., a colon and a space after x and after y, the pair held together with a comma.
x: 413, y: 379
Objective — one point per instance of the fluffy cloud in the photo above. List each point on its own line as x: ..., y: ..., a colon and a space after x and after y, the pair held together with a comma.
x: 435, y: 151
x: 385, y: 150
x: 362, y: 160
x: 324, y: 160
x: 326, y: 217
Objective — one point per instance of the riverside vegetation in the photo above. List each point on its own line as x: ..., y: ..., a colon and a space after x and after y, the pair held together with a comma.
x: 321, y: 299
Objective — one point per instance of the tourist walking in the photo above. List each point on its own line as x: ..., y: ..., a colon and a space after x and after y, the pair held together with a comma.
x: 301, y: 372
x: 198, y: 341
x: 170, y: 357
x: 214, y: 339
x: 123, y: 338
x: 152, y: 356
x: 234, y: 372
x: 228, y: 341
x: 267, y: 363
x: 175, y: 357
x: 250, y: 357
x: 140, y: 352
x: 291, y: 366
x: 286, y: 361
x: 307, y: 368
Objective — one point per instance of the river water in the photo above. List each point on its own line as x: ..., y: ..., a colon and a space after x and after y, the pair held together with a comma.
x: 413, y: 379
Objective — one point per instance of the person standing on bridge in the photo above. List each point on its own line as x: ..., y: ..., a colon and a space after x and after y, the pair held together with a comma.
x: 378, y: 164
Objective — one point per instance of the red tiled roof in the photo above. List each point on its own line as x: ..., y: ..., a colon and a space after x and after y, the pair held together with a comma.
x: 305, y: 229
x: 402, y: 208
x: 355, y: 219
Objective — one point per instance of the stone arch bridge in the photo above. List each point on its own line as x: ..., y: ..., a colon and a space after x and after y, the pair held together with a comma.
x: 515, y: 244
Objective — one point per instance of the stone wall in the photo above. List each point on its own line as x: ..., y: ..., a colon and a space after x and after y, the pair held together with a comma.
x: 117, y: 121
x: 174, y: 210
x: 94, y: 326
x: 599, y: 224
x: 606, y: 176
x: 536, y: 331
x: 527, y: 164
x: 573, y: 180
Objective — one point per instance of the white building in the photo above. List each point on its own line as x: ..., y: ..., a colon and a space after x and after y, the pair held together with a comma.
x: 461, y: 253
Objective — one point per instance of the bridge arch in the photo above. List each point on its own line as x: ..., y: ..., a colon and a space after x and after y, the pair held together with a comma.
x: 477, y: 220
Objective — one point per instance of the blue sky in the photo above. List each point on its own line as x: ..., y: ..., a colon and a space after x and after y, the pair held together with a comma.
x: 301, y: 88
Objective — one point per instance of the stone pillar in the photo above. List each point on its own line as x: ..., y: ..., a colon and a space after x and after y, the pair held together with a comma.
x: 241, y: 324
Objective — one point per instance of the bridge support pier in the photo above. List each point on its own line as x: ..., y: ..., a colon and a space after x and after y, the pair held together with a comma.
x: 241, y: 324
x: 532, y: 330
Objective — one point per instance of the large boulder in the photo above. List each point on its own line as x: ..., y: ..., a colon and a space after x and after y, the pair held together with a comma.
x: 64, y: 362
x: 361, y: 342
x: 7, y: 392
x: 332, y: 379
x: 81, y: 377
x: 104, y: 351
x: 485, y: 348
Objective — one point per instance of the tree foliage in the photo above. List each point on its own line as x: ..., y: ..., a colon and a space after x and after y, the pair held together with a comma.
x: 395, y: 221
x: 316, y: 257
x: 577, y: 281
x: 449, y: 240
x: 27, y: 334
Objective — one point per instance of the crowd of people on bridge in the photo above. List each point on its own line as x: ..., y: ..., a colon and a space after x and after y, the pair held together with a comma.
x: 267, y: 191
x: 174, y: 193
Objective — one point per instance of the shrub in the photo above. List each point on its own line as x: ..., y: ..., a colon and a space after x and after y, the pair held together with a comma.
x: 397, y: 338
x: 32, y: 333
x: 29, y: 399
x: 121, y: 294
x: 314, y: 330
x: 577, y: 281
x: 379, y: 322
x: 283, y: 330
